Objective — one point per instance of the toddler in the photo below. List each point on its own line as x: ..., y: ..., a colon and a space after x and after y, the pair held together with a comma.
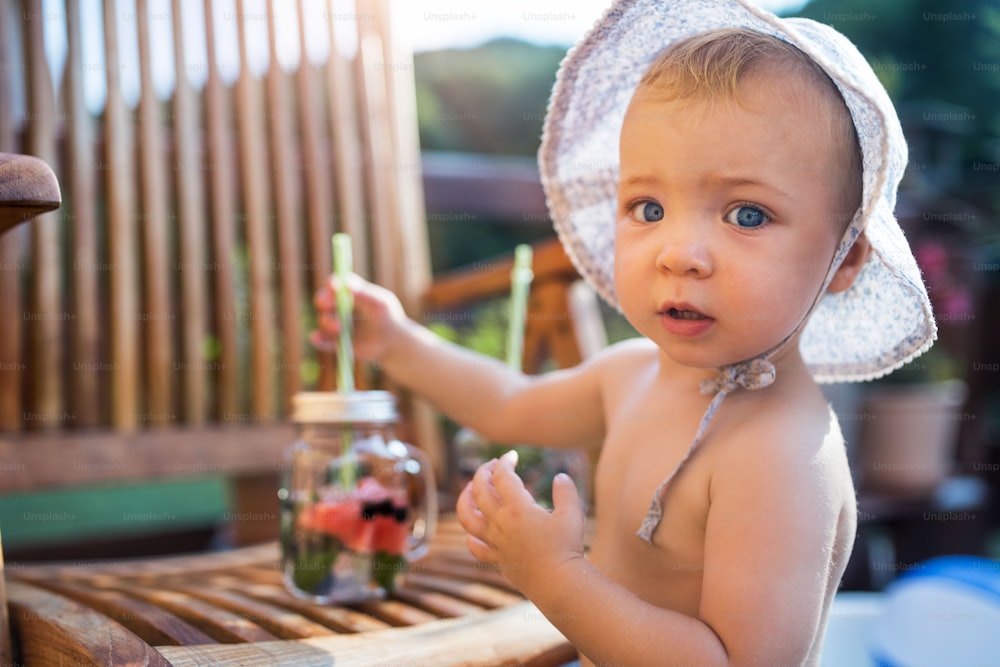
x: 727, y: 179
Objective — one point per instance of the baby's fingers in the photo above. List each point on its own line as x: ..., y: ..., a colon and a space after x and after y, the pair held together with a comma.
x: 327, y: 331
x: 325, y: 297
x: 508, y: 485
x: 322, y: 342
x: 483, y: 494
x: 469, y: 516
x: 480, y: 550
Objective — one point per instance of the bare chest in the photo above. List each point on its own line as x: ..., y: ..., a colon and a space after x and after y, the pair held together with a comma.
x: 644, y: 443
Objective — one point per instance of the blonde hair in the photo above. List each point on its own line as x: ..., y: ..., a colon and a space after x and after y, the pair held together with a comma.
x: 713, y: 66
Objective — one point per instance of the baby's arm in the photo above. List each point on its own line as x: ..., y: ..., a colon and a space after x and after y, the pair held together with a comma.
x: 541, y: 553
x: 768, y: 545
x: 558, y: 409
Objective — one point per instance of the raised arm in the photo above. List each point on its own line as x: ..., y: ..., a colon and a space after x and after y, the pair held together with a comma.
x: 558, y: 409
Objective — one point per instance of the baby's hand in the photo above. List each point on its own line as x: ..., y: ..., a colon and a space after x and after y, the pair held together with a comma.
x: 377, y: 317
x: 507, y: 528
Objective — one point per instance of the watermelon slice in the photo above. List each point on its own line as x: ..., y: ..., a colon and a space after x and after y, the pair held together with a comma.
x: 372, y: 520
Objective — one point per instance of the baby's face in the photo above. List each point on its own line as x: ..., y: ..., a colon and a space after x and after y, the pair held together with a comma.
x: 727, y: 219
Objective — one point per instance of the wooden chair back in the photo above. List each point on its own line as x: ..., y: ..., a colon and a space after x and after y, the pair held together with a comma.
x: 160, y: 318
x: 173, y: 287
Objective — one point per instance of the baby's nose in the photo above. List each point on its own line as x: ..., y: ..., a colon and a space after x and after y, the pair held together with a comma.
x: 684, y: 253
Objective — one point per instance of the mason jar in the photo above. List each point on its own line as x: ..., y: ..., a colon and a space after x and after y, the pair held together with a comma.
x: 357, y: 503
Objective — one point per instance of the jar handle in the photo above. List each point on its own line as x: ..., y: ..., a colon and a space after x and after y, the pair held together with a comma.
x: 423, y: 531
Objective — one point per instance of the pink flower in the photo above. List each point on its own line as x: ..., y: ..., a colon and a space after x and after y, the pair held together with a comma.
x: 951, y: 301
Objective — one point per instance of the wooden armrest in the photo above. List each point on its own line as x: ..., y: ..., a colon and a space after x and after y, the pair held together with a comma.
x: 518, y: 635
x: 72, y: 635
x: 463, y: 286
x: 28, y: 187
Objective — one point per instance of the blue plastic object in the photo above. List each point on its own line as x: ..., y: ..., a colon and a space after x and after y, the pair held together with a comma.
x: 942, y: 612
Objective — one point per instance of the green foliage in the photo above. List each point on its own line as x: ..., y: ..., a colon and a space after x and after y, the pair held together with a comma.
x: 482, y: 328
x: 935, y: 365
x: 211, y: 348
x: 489, y: 99
x: 931, y: 55
x: 616, y: 327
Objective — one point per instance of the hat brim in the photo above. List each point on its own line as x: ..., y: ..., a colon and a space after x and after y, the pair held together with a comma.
x: 877, y: 325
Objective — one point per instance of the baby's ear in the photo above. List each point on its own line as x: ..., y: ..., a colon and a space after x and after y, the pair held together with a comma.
x: 851, y: 266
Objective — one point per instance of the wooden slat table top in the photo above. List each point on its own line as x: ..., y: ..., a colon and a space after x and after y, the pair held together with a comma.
x: 231, y: 608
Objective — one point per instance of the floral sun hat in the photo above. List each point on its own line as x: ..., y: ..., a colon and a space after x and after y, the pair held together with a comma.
x: 877, y: 325
x: 880, y: 323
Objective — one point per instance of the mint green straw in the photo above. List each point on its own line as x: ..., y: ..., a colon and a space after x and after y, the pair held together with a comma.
x: 520, y: 280
x: 343, y: 265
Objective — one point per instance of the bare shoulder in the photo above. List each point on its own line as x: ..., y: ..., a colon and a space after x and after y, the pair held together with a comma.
x: 626, y: 355
x: 788, y: 440
x: 793, y: 423
x: 622, y: 366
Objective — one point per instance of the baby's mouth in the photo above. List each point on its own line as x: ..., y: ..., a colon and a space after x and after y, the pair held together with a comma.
x: 685, y: 314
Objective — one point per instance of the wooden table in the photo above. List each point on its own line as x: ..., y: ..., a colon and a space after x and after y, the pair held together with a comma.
x: 230, y: 608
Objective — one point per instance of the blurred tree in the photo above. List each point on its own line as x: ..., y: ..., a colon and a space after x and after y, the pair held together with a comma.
x: 488, y: 99
x: 940, y: 62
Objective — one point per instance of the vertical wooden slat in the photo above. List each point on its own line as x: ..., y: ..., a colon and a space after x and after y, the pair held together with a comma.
x: 252, y: 170
x: 84, y: 388
x: 45, y: 310
x: 220, y: 159
x: 409, y: 219
x: 124, y: 276
x: 401, y: 234
x: 289, y: 266
x: 316, y: 174
x: 10, y: 63
x: 10, y: 298
x: 379, y: 156
x: 12, y: 249
x: 318, y: 180
x: 379, y: 160
x: 157, y: 314
x: 398, y: 224
x: 347, y: 157
x: 191, y: 223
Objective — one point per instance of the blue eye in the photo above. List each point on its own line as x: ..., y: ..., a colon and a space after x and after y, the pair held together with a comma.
x: 747, y: 217
x: 647, y: 211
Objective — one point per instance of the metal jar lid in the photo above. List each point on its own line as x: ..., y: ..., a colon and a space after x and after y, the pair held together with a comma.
x: 355, y: 407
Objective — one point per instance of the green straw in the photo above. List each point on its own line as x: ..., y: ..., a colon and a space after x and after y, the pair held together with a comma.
x: 520, y: 280
x: 343, y: 265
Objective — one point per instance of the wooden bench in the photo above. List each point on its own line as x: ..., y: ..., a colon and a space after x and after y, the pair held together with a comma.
x: 231, y: 609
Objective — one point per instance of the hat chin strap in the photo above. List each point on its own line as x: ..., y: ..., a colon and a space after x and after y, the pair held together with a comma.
x: 755, y: 373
